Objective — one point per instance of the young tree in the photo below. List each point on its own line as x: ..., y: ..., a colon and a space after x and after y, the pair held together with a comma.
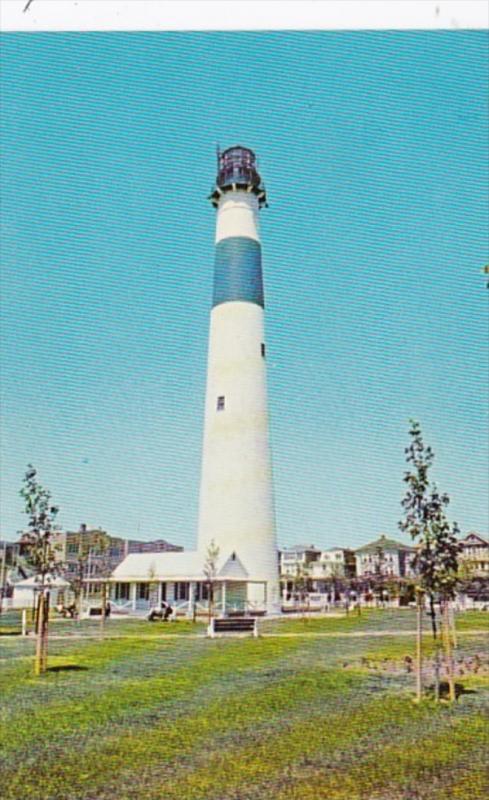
x: 353, y: 595
x: 79, y: 573
x: 336, y: 580
x: 436, y: 560
x: 101, y: 550
x: 40, y: 554
x: 379, y: 575
x: 301, y: 587
x: 210, y: 572
x: 153, y: 585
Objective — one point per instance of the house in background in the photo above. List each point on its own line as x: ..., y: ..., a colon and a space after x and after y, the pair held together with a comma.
x: 385, y: 558
x: 153, y: 546
x: 25, y: 592
x: 474, y: 555
x: 337, y: 562
x: 293, y: 560
x: 12, y: 569
x: 104, y: 552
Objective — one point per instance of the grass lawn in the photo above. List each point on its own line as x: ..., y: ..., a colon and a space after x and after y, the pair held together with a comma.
x: 325, y: 715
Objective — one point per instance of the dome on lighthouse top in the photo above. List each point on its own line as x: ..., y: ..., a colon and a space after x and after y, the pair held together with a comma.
x: 237, y: 169
x: 237, y: 165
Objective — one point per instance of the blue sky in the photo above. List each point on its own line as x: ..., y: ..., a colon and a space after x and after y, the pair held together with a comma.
x: 373, y: 150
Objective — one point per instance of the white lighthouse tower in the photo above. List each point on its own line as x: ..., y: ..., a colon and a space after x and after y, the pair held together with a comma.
x: 236, y: 509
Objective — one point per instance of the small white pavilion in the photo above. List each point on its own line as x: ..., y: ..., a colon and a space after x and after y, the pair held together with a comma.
x: 143, y: 580
x: 26, y: 591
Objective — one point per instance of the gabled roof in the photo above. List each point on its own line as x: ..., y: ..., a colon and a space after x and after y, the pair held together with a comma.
x: 383, y: 543
x: 475, y: 538
x: 34, y: 582
x: 233, y: 568
x: 176, y: 566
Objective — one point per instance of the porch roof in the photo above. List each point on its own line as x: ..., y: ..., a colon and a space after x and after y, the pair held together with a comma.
x: 186, y: 566
x: 34, y: 582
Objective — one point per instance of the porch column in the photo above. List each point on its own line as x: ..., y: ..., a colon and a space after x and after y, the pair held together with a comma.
x: 191, y: 599
x: 132, y: 595
x: 223, y: 597
x: 159, y: 593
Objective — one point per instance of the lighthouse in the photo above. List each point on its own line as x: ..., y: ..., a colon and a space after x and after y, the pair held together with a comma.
x: 236, y: 506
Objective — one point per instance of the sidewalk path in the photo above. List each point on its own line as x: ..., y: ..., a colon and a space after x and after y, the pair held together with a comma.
x: 291, y: 634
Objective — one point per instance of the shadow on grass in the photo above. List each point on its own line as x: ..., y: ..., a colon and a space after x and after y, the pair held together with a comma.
x: 445, y: 690
x: 10, y: 633
x: 67, y: 668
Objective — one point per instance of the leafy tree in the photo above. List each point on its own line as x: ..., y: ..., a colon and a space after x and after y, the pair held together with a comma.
x: 210, y: 572
x: 40, y: 553
x: 436, y: 560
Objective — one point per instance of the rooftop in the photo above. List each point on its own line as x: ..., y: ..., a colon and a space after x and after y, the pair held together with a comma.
x: 473, y: 537
x: 176, y: 566
x: 384, y: 543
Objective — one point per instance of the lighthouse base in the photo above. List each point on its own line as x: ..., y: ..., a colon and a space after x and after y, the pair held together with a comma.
x: 263, y: 596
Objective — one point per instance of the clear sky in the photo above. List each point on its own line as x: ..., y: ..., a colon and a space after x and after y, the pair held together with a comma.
x: 373, y: 150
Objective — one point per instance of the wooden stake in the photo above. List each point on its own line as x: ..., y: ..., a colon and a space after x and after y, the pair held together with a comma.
x: 45, y: 618
x: 39, y: 628
x: 419, y: 645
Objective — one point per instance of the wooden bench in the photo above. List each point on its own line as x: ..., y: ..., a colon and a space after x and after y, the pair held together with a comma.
x: 232, y: 625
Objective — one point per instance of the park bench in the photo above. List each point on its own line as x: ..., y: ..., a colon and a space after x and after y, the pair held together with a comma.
x: 232, y: 625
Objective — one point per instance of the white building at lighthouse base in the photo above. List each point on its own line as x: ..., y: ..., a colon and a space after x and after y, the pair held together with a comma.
x: 144, y: 580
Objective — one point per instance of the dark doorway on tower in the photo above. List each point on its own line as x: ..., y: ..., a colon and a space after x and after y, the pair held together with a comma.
x: 221, y: 400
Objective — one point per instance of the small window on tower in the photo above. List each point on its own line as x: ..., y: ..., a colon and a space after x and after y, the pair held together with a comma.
x: 220, y: 403
x: 263, y: 349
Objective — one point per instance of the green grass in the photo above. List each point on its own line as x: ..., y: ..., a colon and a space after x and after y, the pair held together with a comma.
x: 278, y: 718
x: 472, y: 620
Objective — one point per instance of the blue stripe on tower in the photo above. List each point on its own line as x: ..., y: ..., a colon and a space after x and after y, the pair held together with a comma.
x: 237, y: 271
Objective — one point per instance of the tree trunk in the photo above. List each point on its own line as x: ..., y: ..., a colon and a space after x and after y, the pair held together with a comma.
x: 209, y: 601
x: 453, y: 629
x: 448, y: 651
x: 40, y: 663
x: 35, y: 613
x: 437, y: 648
x: 45, y: 632
x: 104, y: 604
x: 419, y: 646
x: 39, y: 622
x: 80, y: 603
